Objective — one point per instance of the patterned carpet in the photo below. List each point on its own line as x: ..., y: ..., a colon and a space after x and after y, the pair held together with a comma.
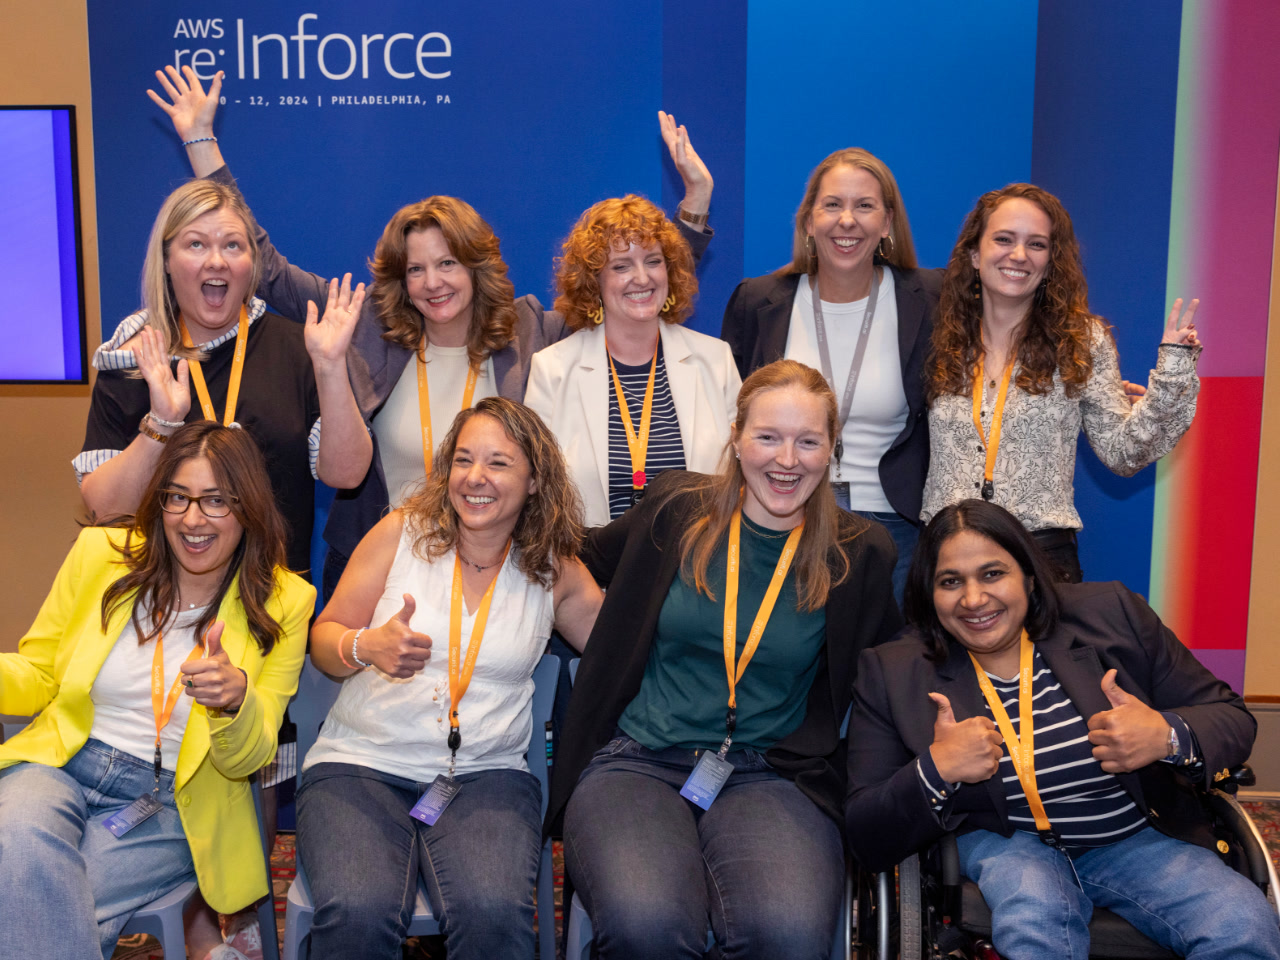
x: 243, y: 928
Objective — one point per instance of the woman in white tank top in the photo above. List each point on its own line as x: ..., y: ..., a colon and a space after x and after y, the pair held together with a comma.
x: 436, y: 626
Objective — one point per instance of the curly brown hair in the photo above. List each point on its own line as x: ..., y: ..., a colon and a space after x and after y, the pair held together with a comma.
x: 602, y: 228
x: 821, y: 561
x: 902, y: 251
x: 1055, y: 337
x: 153, y: 569
x: 550, y: 524
x: 472, y: 241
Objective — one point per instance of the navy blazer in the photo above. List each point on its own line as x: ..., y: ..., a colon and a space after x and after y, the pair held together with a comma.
x: 758, y: 319
x: 1103, y: 625
x: 637, y: 558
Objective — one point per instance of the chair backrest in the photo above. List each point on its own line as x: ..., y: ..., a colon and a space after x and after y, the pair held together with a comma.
x: 573, y: 670
x: 316, y: 695
x: 546, y: 678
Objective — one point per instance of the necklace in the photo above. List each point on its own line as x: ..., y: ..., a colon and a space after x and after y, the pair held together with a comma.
x: 479, y: 568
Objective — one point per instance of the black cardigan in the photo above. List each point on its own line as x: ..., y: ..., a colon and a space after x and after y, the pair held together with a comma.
x: 636, y: 559
x: 758, y: 319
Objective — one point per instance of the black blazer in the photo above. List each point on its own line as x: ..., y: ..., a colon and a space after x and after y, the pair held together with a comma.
x: 1103, y: 625
x: 756, y: 323
x: 636, y: 559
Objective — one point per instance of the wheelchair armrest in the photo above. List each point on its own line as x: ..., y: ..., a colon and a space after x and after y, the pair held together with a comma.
x: 1228, y: 811
x: 1242, y: 776
x: 949, y: 860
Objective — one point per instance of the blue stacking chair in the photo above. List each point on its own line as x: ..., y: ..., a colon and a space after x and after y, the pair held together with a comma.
x: 299, y: 910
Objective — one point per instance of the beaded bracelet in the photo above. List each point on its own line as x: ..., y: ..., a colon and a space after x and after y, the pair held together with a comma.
x: 355, y: 646
x: 341, y: 656
x: 171, y: 424
x: 187, y: 143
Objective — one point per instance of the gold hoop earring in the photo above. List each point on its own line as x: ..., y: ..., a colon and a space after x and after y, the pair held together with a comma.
x: 811, y: 248
x: 596, y: 316
x: 880, y: 247
x: 668, y: 303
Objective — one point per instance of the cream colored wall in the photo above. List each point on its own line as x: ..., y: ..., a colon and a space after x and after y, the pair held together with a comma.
x: 1262, y: 654
x: 44, y: 58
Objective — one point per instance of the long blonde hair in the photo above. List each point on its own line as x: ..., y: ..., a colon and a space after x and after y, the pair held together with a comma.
x: 821, y: 561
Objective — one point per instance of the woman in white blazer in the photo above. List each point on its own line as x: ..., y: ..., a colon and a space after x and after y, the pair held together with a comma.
x: 631, y: 393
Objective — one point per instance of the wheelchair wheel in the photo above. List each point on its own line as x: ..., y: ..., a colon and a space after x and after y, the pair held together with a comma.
x: 910, y: 915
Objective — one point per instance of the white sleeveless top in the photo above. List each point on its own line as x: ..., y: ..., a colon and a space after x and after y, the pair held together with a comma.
x: 401, y: 726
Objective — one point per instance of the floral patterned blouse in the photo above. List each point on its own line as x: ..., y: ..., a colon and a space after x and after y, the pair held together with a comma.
x: 1035, y: 464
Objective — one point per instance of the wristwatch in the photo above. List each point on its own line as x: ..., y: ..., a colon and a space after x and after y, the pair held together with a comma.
x: 698, y: 220
x: 1173, y: 755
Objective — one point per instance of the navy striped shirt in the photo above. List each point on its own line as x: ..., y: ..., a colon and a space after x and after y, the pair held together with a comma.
x: 665, y: 451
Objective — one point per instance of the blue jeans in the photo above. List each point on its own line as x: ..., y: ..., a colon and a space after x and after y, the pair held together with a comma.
x: 363, y: 855
x: 1178, y: 894
x: 68, y: 886
x: 905, y: 534
x: 764, y: 864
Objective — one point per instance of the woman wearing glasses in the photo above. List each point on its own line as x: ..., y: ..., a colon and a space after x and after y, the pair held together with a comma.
x: 158, y: 669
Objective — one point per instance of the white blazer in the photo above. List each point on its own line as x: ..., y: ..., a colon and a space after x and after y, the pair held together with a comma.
x: 569, y: 386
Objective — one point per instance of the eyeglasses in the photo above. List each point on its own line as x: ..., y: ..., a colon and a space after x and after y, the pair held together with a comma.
x: 212, y: 505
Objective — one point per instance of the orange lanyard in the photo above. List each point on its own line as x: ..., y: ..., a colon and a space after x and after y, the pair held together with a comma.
x: 992, y: 442
x: 237, y: 369
x: 460, y: 672
x: 637, y: 445
x: 161, y: 706
x: 731, y: 571
x: 1022, y: 750
x: 424, y: 405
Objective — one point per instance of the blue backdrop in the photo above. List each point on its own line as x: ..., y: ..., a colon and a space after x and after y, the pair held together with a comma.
x: 547, y: 108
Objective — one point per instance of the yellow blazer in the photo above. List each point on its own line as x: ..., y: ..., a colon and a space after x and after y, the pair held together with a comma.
x: 58, y: 660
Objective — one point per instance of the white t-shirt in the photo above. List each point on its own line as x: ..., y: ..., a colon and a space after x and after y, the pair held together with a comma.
x: 122, y: 713
x: 398, y: 425
x: 401, y: 727
x: 879, y: 410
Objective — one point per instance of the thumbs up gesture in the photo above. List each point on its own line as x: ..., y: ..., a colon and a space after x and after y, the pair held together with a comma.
x: 395, y: 648
x: 1129, y: 735
x: 964, y: 752
x: 212, y: 681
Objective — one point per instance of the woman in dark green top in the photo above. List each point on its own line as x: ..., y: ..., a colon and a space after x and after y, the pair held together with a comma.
x: 706, y: 801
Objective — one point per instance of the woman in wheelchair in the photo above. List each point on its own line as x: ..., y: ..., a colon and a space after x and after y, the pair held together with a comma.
x: 1062, y: 732
x: 684, y: 814
x: 159, y: 666
x: 408, y: 779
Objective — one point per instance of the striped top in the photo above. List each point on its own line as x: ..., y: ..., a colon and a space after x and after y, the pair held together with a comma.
x: 666, y: 449
x: 1086, y: 805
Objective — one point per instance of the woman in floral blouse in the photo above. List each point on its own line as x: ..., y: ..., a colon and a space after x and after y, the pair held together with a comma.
x: 1019, y: 365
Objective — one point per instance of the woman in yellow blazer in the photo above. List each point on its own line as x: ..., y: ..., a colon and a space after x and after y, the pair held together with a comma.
x: 159, y: 666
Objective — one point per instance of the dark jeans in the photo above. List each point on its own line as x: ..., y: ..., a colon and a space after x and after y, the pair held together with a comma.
x: 1059, y: 545
x: 363, y: 855
x: 764, y: 865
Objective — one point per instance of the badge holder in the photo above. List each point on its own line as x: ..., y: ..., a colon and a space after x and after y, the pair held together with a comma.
x: 443, y: 789
x: 141, y: 810
x: 712, y: 771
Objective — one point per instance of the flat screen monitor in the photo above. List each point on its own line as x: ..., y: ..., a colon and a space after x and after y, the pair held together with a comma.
x: 42, y: 325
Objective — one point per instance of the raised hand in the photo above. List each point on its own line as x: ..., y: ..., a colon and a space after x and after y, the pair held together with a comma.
x: 1181, y: 326
x: 189, y: 107
x: 327, y: 340
x: 395, y: 648
x: 964, y: 752
x: 170, y: 396
x: 212, y: 681
x: 697, y: 178
x: 1128, y: 736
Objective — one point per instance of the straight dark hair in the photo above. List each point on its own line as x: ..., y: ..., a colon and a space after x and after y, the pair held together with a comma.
x: 1003, y: 529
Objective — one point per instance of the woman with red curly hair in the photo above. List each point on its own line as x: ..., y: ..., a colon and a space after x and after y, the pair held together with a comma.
x: 631, y: 393
x: 441, y: 329
x: 1018, y: 358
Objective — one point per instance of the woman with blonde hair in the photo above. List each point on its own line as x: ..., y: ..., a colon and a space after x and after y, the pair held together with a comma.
x: 1019, y: 366
x: 852, y: 304
x: 441, y: 330
x: 700, y: 778
x: 191, y: 590
x: 203, y: 344
x: 485, y: 553
x: 631, y: 393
